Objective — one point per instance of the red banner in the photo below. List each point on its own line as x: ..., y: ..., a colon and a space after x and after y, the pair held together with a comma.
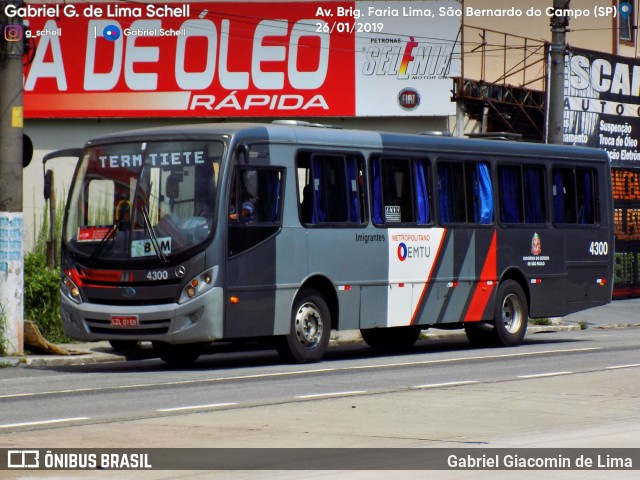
x: 182, y: 60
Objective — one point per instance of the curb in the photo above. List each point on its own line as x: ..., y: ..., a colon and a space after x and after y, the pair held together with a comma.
x: 349, y: 337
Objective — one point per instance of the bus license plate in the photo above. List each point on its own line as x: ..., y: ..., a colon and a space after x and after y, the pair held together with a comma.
x: 124, y: 320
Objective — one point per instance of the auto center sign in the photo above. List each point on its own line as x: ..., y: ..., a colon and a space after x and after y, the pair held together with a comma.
x: 240, y: 59
x: 602, y: 106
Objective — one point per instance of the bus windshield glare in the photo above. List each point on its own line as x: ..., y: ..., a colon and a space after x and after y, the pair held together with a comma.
x: 143, y: 200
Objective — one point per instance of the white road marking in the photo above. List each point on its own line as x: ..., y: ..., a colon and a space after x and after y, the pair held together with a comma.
x: 332, y: 394
x: 542, y: 375
x: 299, y: 372
x: 196, y: 407
x: 44, y: 422
x: 445, y: 384
x: 615, y: 367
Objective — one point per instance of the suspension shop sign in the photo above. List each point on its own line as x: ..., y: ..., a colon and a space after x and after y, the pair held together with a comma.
x: 239, y: 59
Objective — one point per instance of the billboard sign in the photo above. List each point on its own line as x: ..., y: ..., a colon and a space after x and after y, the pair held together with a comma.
x: 602, y: 104
x: 231, y: 59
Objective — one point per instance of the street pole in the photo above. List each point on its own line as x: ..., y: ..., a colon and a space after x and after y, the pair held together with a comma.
x: 11, y: 162
x: 555, y: 110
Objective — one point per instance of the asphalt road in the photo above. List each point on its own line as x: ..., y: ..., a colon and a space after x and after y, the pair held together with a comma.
x: 32, y: 399
x: 577, y: 389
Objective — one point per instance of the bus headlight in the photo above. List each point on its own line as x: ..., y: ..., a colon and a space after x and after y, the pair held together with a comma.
x: 70, y: 289
x: 198, y: 285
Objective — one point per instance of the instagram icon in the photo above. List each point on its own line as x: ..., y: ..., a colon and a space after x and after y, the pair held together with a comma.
x: 13, y: 33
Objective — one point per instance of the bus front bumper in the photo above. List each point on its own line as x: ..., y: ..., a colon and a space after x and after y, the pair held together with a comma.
x: 198, y: 320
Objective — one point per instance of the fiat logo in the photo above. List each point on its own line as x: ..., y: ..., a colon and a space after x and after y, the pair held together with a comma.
x: 409, y: 98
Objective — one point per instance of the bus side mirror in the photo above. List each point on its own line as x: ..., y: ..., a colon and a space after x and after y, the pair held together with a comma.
x: 48, y: 175
x: 27, y: 151
x: 48, y: 184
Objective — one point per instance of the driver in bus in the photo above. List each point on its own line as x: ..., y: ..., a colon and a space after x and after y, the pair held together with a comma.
x: 247, y: 209
x: 246, y: 213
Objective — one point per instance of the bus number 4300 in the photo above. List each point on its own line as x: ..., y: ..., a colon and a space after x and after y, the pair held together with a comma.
x: 157, y: 275
x: 599, y: 248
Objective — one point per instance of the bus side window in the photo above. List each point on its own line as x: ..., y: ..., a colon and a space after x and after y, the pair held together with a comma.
x: 518, y: 204
x: 510, y: 193
x: 465, y: 192
x: 535, y: 207
x: 479, y: 193
x: 397, y: 192
x: 451, y: 192
x: 564, y: 196
x: 400, y: 190
x: 421, y: 176
x: 254, y: 206
x: 330, y: 188
x: 586, y: 186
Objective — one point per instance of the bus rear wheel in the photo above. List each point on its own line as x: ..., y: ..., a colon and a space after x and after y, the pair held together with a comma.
x: 391, y: 339
x: 308, y: 338
x: 510, y: 319
x: 181, y: 355
x: 480, y: 334
x: 511, y: 314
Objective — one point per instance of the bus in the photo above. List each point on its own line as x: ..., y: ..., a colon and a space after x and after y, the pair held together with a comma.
x: 285, y: 231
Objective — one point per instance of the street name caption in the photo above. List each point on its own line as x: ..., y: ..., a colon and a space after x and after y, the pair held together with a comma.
x: 412, y: 11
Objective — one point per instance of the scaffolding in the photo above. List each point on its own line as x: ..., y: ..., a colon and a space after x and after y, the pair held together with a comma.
x: 503, y: 82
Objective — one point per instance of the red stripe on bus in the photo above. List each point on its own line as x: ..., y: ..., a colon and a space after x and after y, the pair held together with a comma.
x: 426, y: 284
x: 485, y: 285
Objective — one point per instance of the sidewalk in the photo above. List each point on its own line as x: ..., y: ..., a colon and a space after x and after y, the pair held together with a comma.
x: 617, y: 314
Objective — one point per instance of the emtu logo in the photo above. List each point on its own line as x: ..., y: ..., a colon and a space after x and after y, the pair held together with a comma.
x: 403, y: 251
x: 111, y: 32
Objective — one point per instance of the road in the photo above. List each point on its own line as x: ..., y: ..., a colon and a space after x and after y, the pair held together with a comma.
x: 571, y: 389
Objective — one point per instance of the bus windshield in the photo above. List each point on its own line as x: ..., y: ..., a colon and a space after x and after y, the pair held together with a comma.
x: 142, y: 200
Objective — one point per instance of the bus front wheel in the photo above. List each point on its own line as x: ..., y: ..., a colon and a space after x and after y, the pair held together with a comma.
x: 308, y: 339
x: 511, y: 314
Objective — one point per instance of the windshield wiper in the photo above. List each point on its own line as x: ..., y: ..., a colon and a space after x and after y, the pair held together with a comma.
x: 111, y: 234
x: 152, y: 234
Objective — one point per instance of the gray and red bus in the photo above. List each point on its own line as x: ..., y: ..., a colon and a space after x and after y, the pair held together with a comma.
x: 283, y: 232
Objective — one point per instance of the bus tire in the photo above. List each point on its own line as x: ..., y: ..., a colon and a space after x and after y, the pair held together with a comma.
x: 124, y: 346
x: 308, y: 338
x: 391, y: 339
x: 180, y: 355
x: 511, y: 314
x: 480, y: 334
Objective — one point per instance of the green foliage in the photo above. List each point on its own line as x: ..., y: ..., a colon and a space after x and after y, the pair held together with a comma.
x: 42, y: 296
x: 42, y: 284
x: 544, y: 321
